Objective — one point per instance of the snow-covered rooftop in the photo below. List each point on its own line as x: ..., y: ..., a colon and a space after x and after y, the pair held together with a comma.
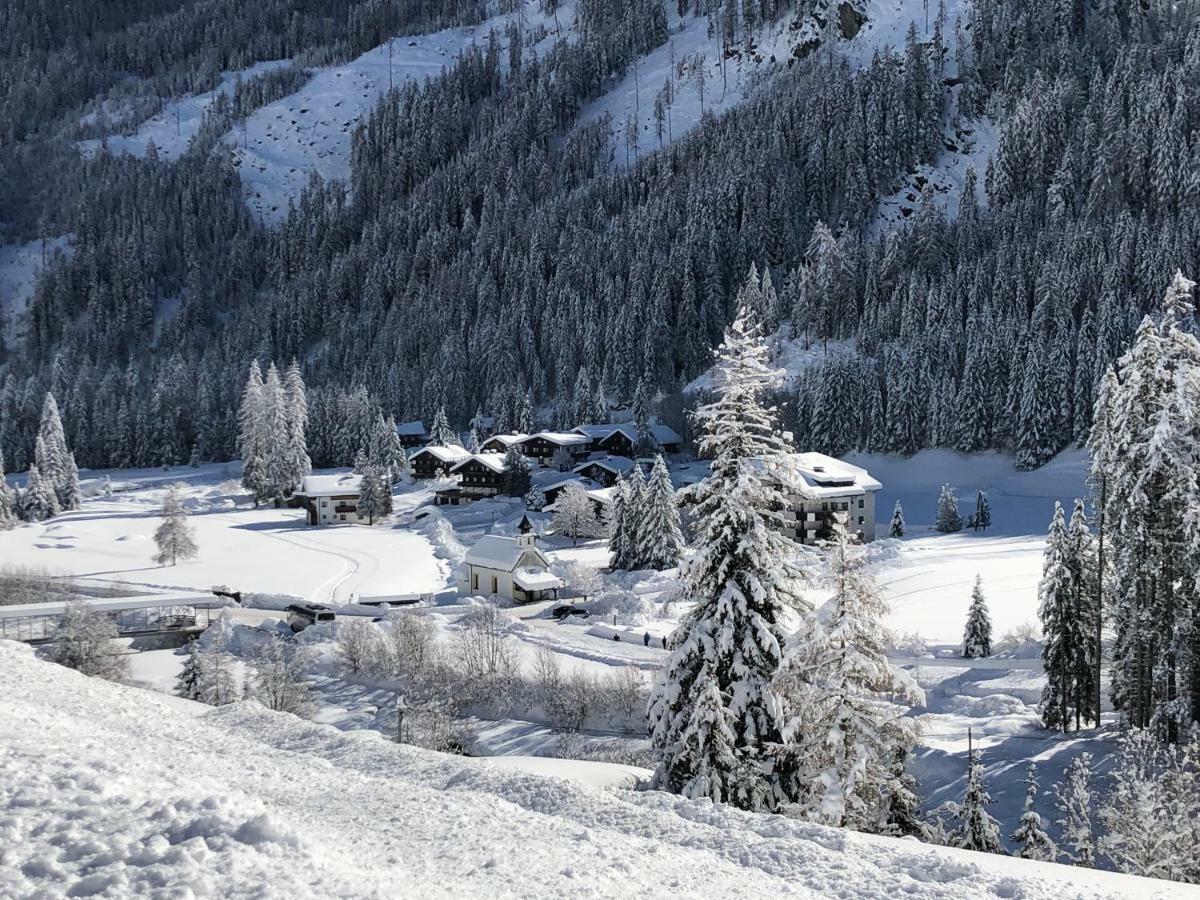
x: 664, y: 434
x: 562, y: 438
x: 819, y: 475
x: 112, y: 604
x: 415, y: 428
x: 493, y: 461
x: 618, y: 465
x: 330, y: 485
x: 507, y: 439
x: 451, y: 454
x: 495, y: 551
x: 535, y: 579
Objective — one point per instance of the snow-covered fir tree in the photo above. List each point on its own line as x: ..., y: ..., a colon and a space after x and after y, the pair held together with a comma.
x: 865, y: 729
x: 535, y: 498
x: 949, y: 519
x: 1146, y: 454
x: 1151, y: 812
x: 978, y: 829
x: 517, y: 478
x: 387, y: 453
x: 189, y: 683
x: 8, y: 510
x: 297, y: 461
x: 53, y: 457
x: 38, y: 501
x: 645, y: 443
x: 174, y: 537
x: 375, y: 495
x: 619, y: 546
x: 1030, y: 834
x: 250, y: 446
x: 897, y: 526
x: 1073, y: 800
x: 1061, y: 626
x: 574, y: 515
x: 1086, y: 582
x: 977, y: 636
x: 84, y: 641
x: 440, y: 432
x: 660, y: 539
x: 716, y: 719
x: 981, y: 520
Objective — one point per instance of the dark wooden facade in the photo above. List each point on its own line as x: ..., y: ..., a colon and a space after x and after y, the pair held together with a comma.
x: 478, y: 479
x: 425, y: 464
x: 543, y: 449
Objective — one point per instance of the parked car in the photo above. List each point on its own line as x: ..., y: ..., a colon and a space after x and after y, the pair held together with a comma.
x: 561, y: 612
x: 301, y: 615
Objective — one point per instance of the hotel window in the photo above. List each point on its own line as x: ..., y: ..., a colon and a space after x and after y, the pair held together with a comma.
x: 860, y: 502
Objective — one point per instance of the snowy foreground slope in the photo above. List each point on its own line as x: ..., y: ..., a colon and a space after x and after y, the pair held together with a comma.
x: 115, y: 791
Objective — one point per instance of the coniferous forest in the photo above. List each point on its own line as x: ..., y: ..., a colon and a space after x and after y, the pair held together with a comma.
x: 488, y: 250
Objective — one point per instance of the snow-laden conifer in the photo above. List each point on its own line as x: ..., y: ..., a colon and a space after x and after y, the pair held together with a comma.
x: 440, y: 432
x: 574, y: 514
x: 715, y: 716
x: 896, y: 529
x: 375, y: 495
x: 859, y: 693
x: 38, y: 500
x: 977, y: 636
x: 1060, y: 626
x: 8, y: 508
x: 978, y: 829
x: 949, y: 519
x: 660, y: 539
x: 517, y: 479
x: 1073, y: 799
x: 619, y: 549
x: 1030, y: 834
x: 174, y: 537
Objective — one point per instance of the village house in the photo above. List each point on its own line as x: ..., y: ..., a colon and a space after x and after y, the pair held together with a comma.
x: 436, y: 462
x: 329, y: 499
x: 819, y: 488
x: 542, y: 447
x: 480, y: 475
x: 606, y: 470
x: 621, y: 439
x: 509, y: 567
x: 412, y: 434
x: 499, y: 443
x: 552, y: 488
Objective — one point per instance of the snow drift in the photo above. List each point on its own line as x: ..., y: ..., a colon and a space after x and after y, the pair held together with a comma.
x: 105, y: 788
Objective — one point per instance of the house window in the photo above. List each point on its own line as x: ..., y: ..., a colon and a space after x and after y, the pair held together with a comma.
x: 824, y: 507
x: 495, y: 585
x: 474, y: 581
x: 860, y: 502
x: 860, y: 520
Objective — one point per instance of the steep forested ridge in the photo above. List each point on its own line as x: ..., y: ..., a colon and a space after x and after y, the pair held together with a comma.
x: 488, y: 250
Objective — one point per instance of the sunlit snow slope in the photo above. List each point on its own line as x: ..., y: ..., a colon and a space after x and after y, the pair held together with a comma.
x: 113, y: 790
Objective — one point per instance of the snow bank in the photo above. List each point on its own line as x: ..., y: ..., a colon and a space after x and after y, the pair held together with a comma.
x: 107, y: 788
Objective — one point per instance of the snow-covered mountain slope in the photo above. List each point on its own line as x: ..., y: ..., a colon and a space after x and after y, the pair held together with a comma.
x: 110, y: 790
x: 173, y: 128
x: 310, y: 130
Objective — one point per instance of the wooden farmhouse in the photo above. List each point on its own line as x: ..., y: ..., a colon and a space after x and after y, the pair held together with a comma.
x: 329, y: 499
x: 606, y: 470
x: 480, y: 475
x: 499, y: 443
x: 436, y: 462
x: 542, y: 447
x: 509, y: 567
x: 621, y: 439
x: 412, y: 434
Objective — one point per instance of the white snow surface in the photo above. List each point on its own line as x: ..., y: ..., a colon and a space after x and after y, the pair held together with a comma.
x: 310, y: 131
x: 173, y: 128
x: 109, y: 790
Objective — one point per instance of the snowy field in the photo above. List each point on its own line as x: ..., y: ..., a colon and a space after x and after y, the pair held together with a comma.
x: 114, y: 791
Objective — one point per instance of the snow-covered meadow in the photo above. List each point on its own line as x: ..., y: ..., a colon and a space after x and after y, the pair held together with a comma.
x: 926, y: 576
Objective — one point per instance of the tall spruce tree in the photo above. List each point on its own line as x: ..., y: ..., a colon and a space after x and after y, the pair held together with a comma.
x: 53, y: 458
x: 896, y: 529
x: 982, y: 519
x: 865, y: 729
x: 1060, y: 625
x: 8, y: 511
x: 517, y: 479
x: 1073, y: 799
x: 620, y: 551
x: 174, y: 537
x: 250, y: 444
x: 715, y: 716
x: 1146, y: 452
x: 977, y: 636
x: 1030, y: 834
x: 660, y: 539
x: 949, y: 519
x: 440, y: 432
x: 978, y: 829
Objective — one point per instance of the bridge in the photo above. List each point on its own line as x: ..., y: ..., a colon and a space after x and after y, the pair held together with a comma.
x: 36, y: 623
